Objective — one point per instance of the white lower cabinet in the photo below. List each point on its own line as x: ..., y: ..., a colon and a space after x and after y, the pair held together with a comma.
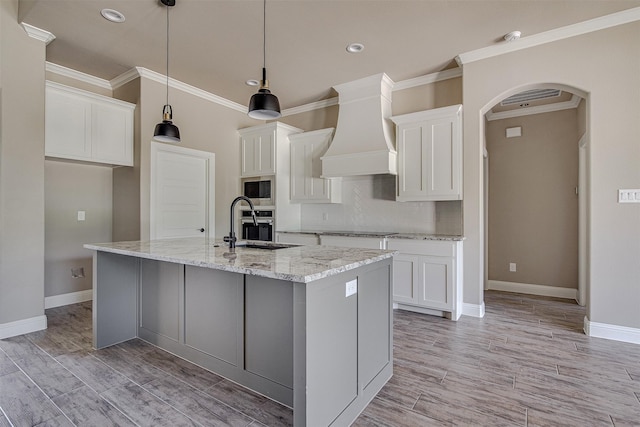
x: 427, y: 276
x: 307, y: 239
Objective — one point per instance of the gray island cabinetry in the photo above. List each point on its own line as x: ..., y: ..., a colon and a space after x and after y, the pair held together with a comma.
x: 308, y: 326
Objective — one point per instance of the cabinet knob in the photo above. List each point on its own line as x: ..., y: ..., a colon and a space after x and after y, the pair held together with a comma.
x: 201, y: 230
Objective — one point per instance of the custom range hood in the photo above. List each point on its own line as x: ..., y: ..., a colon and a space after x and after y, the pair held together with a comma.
x: 363, y: 142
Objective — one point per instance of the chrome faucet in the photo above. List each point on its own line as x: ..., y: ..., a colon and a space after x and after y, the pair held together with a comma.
x: 231, y: 238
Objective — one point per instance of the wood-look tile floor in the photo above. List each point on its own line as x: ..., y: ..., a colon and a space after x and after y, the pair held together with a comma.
x: 526, y: 363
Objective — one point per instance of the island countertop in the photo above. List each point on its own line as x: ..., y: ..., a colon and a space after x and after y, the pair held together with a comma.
x: 296, y: 264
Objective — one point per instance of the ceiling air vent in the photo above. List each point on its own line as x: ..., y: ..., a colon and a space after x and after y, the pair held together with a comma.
x: 531, y: 95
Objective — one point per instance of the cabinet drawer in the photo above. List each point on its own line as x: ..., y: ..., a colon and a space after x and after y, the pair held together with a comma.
x: 423, y: 247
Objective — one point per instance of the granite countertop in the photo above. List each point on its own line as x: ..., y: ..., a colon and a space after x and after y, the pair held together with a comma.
x: 379, y: 234
x: 292, y: 263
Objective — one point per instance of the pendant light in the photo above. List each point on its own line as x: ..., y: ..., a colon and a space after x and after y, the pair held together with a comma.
x: 167, y: 131
x: 264, y: 105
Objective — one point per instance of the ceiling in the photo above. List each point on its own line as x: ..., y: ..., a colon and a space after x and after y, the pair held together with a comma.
x: 216, y: 45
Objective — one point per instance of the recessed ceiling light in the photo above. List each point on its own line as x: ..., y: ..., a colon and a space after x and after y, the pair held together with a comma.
x: 355, y: 47
x: 513, y: 35
x: 252, y: 82
x: 112, y: 15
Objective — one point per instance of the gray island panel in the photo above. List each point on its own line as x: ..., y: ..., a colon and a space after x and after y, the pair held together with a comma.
x: 316, y: 344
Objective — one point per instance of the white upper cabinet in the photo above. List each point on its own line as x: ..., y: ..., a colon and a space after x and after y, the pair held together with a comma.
x: 306, y: 167
x: 429, y: 145
x: 81, y: 125
x: 259, y: 146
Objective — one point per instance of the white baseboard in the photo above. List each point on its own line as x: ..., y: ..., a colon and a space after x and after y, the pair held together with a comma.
x: 531, y: 289
x: 69, y: 298
x: 611, y: 332
x: 24, y: 326
x: 473, y: 310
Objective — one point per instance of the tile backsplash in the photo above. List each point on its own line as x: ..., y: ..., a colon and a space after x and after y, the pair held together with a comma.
x: 368, y: 204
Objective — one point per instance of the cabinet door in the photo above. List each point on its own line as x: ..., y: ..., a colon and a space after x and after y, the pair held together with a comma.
x: 306, y: 168
x: 299, y: 153
x: 160, y: 298
x: 435, y: 282
x: 259, y: 153
x: 67, y: 126
x: 412, y: 152
x: 404, y: 274
x: 112, y: 135
x: 442, y: 168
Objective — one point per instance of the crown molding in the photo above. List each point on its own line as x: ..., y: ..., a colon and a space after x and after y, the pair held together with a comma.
x: 77, y: 75
x: 538, y: 109
x: 137, y: 72
x: 38, y: 33
x: 596, y: 24
x: 310, y: 107
x: 184, y: 87
x: 428, y: 79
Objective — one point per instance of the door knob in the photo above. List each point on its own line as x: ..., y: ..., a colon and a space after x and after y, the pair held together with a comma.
x: 202, y: 230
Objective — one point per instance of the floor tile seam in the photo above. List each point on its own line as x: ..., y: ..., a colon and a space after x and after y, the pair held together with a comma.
x: 156, y: 397
x: 203, y: 392
x: 584, y: 384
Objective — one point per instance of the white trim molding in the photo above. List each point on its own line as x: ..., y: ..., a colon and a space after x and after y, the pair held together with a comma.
x: 596, y: 24
x: 77, y: 75
x: 538, y: 109
x: 38, y: 33
x: 24, y: 326
x: 68, y: 298
x: 136, y: 72
x: 611, y: 332
x: 532, y: 289
x: 192, y: 90
x: 473, y: 310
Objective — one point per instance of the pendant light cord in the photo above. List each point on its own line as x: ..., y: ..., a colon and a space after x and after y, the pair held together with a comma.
x: 264, y: 34
x: 167, y: 6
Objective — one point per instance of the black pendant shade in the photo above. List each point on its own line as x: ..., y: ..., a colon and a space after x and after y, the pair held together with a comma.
x: 166, y: 131
x: 264, y: 105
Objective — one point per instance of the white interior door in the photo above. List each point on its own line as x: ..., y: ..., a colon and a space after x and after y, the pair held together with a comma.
x: 182, y: 192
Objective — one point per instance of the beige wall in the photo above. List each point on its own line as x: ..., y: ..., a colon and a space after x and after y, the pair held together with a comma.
x: 69, y: 188
x: 605, y: 65
x: 21, y: 170
x: 204, y: 126
x: 533, y: 207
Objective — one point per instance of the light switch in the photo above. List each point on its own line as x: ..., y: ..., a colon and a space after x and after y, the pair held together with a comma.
x: 512, y: 267
x: 514, y: 132
x: 81, y: 215
x: 629, y: 196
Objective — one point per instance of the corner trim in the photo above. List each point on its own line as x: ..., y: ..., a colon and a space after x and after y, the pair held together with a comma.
x: 532, y: 289
x: 68, y: 298
x: 310, y: 107
x: 596, y: 24
x: 538, y: 109
x: 23, y: 326
x: 428, y: 79
x: 473, y: 310
x: 77, y: 75
x: 38, y: 33
x: 611, y: 332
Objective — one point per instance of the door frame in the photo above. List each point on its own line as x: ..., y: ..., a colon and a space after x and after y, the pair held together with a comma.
x: 158, y: 147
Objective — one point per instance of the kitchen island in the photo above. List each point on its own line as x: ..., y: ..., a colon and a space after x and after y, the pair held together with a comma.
x: 308, y: 326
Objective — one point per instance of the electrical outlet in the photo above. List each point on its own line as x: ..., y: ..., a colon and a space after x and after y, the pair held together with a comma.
x: 325, y: 216
x: 512, y: 266
x: 351, y: 287
x: 81, y: 215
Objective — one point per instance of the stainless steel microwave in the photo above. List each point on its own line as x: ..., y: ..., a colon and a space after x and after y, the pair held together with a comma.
x: 258, y: 190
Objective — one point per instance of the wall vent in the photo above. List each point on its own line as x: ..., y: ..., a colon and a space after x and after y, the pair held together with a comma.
x: 531, y: 95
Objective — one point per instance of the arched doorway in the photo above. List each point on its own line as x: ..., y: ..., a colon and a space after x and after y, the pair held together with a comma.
x: 561, y: 259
